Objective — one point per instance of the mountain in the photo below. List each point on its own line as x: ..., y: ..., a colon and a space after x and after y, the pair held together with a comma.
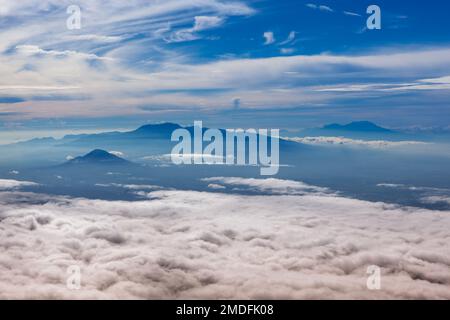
x: 360, y: 126
x: 98, y: 157
x: 162, y: 130
x: 37, y: 142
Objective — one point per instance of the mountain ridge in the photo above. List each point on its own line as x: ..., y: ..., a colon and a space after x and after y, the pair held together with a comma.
x: 357, y: 126
x: 98, y: 156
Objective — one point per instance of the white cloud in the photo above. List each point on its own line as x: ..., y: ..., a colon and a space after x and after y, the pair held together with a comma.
x: 427, y: 195
x: 253, y: 80
x: 38, y: 88
x: 354, y: 142
x: 271, y: 185
x: 189, y: 245
x: 257, y: 72
x: 390, y: 185
x: 109, y: 70
x: 207, y: 22
x: 436, y: 200
x: 201, y: 23
x: 134, y: 187
x: 270, y: 38
x: 319, y: 7
x: 325, y: 8
x: 441, y: 83
x: 33, y: 50
x: 290, y: 38
x: 413, y: 188
x: 216, y: 186
x: 190, y: 157
x: 14, y: 184
x: 287, y: 50
x: 440, y: 80
x: 349, y: 13
x: 117, y: 153
x: 95, y: 37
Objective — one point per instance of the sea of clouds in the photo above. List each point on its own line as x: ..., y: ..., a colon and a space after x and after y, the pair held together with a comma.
x: 299, y: 242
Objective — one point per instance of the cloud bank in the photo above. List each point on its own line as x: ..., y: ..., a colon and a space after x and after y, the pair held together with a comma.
x: 14, y: 184
x: 270, y: 185
x: 377, y: 144
x: 184, y: 244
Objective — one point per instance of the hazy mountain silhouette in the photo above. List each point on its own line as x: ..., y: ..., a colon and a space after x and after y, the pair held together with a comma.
x: 159, y: 136
x: 98, y: 157
x: 163, y: 130
x: 360, y: 126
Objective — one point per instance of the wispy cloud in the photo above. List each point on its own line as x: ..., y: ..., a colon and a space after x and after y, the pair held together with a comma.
x: 349, y: 13
x: 271, y: 185
x: 290, y: 38
x: 35, y: 50
x: 14, y: 184
x: 341, y: 141
x: 120, y: 60
x: 287, y: 50
x: 201, y: 23
x: 319, y: 7
x: 325, y: 8
x: 255, y: 81
x: 329, y: 9
x: 94, y: 37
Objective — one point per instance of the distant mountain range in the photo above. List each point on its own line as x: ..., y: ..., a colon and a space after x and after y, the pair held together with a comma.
x: 360, y: 126
x: 364, y: 130
x: 162, y: 132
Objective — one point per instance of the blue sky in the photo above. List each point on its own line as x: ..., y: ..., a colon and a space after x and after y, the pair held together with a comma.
x: 283, y: 64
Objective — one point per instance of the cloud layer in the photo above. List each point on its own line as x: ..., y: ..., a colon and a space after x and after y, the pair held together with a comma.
x: 183, y: 244
x: 14, y: 184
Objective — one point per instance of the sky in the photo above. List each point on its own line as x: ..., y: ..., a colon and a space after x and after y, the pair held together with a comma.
x: 253, y: 63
